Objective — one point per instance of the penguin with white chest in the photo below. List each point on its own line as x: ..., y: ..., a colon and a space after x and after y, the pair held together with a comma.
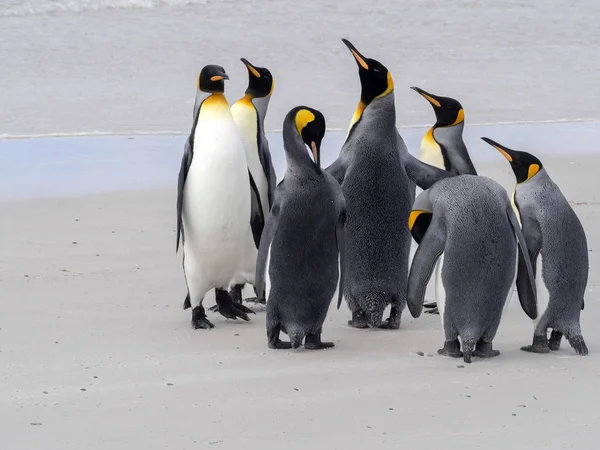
x: 302, y: 247
x: 213, y: 201
x: 467, y: 225
x: 558, y: 249
x: 443, y: 145
x: 249, y: 115
x: 379, y: 196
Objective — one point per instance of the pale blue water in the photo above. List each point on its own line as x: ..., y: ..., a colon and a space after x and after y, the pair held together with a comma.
x: 50, y: 167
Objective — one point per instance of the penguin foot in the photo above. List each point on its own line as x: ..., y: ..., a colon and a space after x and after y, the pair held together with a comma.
x: 431, y: 308
x: 451, y: 349
x: 236, y: 294
x: 484, y: 350
x: 313, y: 342
x: 578, y: 345
x: 359, y: 320
x: 467, y: 356
x: 273, y: 340
x: 554, y: 342
x: 199, y: 320
x: 393, y: 322
x: 230, y: 310
x: 540, y: 345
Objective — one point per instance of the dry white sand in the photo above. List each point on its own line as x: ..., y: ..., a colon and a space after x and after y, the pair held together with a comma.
x: 96, y: 352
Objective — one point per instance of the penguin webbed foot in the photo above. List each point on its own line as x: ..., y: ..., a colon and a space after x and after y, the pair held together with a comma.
x: 313, y: 342
x: 539, y: 345
x: 393, y: 322
x: 554, y: 342
x: 274, y: 342
x: 484, y: 350
x: 578, y: 344
x: 431, y: 308
x: 230, y: 310
x: 199, y: 320
x: 451, y: 349
x: 359, y: 320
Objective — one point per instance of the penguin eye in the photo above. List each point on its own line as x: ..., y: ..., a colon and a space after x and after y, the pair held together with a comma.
x: 375, y: 69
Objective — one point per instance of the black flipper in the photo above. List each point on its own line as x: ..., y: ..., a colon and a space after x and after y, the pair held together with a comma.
x: 429, y: 250
x: 264, y: 155
x: 340, y: 235
x: 257, y: 218
x: 265, y: 243
x: 530, y: 244
x: 186, y: 162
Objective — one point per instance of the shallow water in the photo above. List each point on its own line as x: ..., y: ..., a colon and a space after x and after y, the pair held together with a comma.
x: 131, y: 65
x: 49, y: 167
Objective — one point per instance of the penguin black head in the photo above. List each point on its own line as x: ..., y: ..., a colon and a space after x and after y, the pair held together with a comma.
x: 524, y: 165
x: 310, y: 125
x: 212, y: 78
x: 375, y: 80
x: 260, y: 80
x: 448, y: 111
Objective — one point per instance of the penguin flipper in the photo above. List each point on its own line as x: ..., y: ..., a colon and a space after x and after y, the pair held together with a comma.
x: 429, y: 250
x: 337, y: 170
x: 264, y: 155
x: 265, y: 244
x: 186, y: 162
x: 257, y: 219
x: 423, y: 174
x: 530, y: 242
x: 340, y: 236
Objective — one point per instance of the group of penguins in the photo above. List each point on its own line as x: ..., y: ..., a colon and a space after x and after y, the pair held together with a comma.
x: 345, y: 231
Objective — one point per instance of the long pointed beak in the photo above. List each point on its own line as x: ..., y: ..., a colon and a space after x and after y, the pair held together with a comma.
x: 250, y: 67
x: 429, y: 97
x: 360, y: 59
x: 506, y: 152
x: 316, y: 151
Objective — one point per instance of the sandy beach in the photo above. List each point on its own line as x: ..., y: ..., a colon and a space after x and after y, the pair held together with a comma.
x: 96, y: 351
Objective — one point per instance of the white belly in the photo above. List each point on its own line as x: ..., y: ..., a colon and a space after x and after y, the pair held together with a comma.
x: 244, y: 115
x: 440, y: 292
x: 216, y: 198
x: 543, y: 295
x: 267, y: 277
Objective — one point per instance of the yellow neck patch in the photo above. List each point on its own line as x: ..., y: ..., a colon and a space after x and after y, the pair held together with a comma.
x: 357, y: 114
x: 303, y: 118
x: 533, y: 169
x: 390, y: 86
x: 414, y: 215
x: 215, y: 100
x: 460, y: 117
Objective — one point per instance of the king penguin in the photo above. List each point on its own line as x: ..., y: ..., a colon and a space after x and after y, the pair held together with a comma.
x: 213, y: 201
x: 443, y: 145
x: 467, y: 225
x: 378, y: 196
x: 249, y: 115
x: 558, y: 249
x: 302, y: 247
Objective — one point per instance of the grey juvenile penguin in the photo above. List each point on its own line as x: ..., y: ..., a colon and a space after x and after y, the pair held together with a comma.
x: 303, y: 240
x: 558, y: 250
x: 379, y: 196
x: 468, y: 223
